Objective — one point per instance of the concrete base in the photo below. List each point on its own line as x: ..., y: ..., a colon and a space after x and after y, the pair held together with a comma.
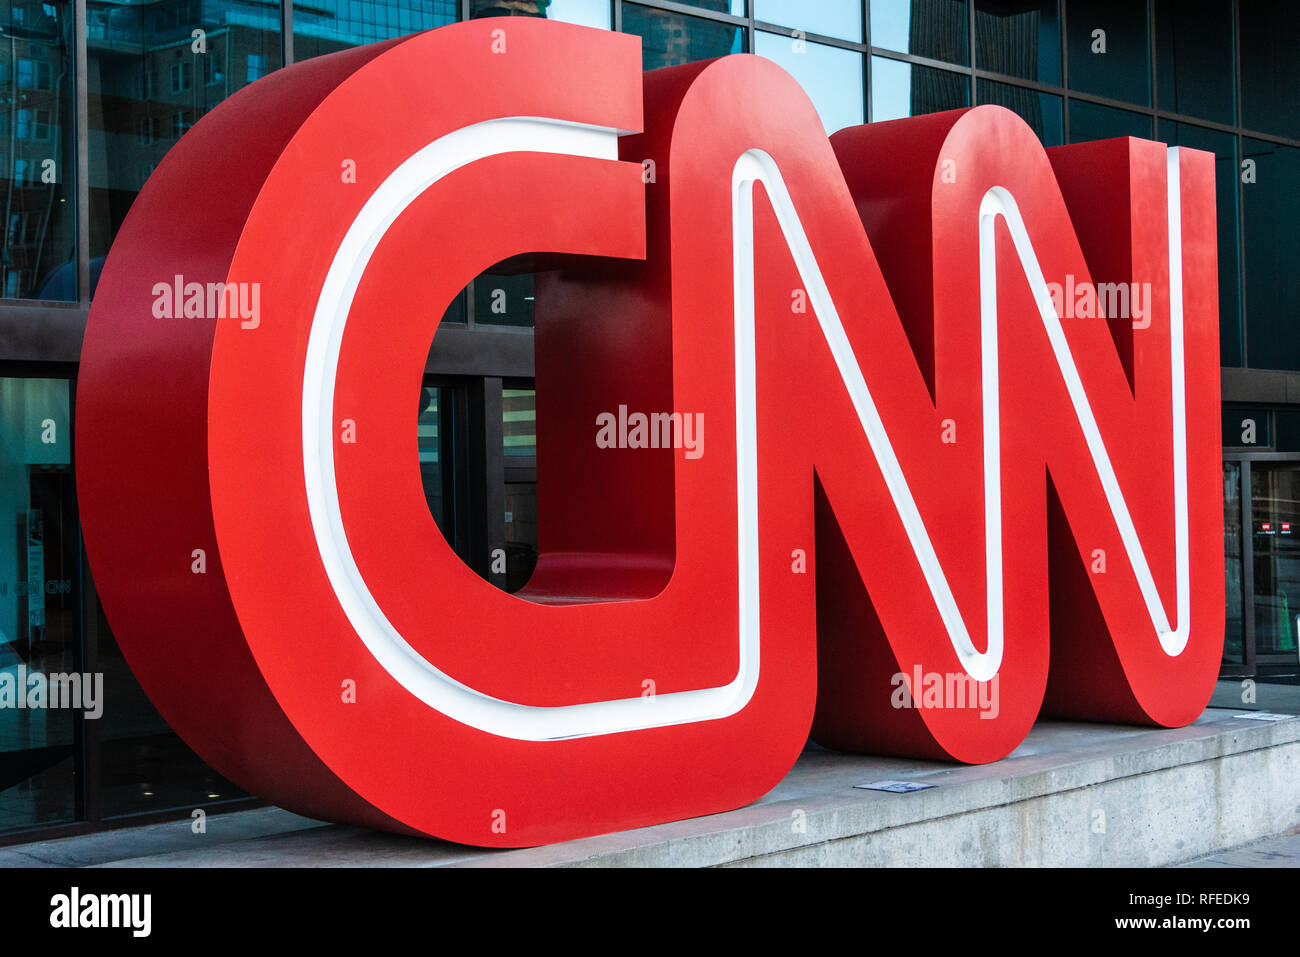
x: 1072, y: 795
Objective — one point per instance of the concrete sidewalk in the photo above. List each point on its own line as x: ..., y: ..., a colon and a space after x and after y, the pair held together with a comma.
x: 1072, y: 794
x: 1271, y: 852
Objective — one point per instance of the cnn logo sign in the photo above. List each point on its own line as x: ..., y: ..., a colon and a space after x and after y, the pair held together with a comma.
x: 953, y: 479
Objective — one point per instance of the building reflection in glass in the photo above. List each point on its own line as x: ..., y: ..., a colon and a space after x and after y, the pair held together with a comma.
x: 37, y: 149
x: 327, y: 26
x: 670, y: 39
x: 587, y: 13
x: 40, y: 586
x: 154, y: 68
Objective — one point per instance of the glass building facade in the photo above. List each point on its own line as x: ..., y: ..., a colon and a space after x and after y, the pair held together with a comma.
x: 93, y: 93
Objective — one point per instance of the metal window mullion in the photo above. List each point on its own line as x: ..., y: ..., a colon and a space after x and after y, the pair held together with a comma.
x: 914, y: 60
x: 1151, y: 54
x: 81, y: 138
x: 286, y: 33
x: 702, y: 13
x: 86, y: 739
x: 1225, y: 128
x: 494, y: 466
x: 1237, y: 185
x: 1247, y: 571
x: 1243, y: 537
x: 866, y: 62
x: 1007, y: 80
x: 1065, y: 72
x: 818, y: 38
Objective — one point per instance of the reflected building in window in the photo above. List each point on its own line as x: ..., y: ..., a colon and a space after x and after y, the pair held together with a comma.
x: 37, y: 137
x: 40, y: 583
x: 511, y: 8
x: 1021, y: 38
x: 327, y: 26
x: 154, y: 68
x: 670, y: 39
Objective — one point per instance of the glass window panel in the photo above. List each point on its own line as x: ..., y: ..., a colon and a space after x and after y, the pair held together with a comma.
x: 1275, y: 537
x: 900, y: 89
x: 832, y: 77
x: 1287, y: 438
x: 38, y: 254
x: 588, y: 13
x: 40, y: 611
x: 1042, y: 111
x: 503, y: 300
x: 324, y: 26
x: 669, y: 39
x: 1110, y: 49
x: 1271, y: 208
x: 1019, y: 38
x: 735, y: 7
x: 938, y: 29
x: 456, y: 311
x: 1288, y: 431
x: 1194, y: 59
x: 1270, y: 66
x: 830, y: 18
x: 521, y: 534
x: 519, y: 425
x: 1247, y: 427
x: 1227, y: 171
x: 146, y: 72
x: 1089, y: 121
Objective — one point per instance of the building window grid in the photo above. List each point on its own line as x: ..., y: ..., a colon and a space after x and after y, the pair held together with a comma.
x: 972, y: 72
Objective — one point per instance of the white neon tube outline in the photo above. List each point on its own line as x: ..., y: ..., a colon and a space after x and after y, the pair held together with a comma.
x: 432, y: 686
x: 525, y: 722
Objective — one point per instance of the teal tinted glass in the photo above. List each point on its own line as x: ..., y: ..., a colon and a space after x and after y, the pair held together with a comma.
x: 669, y: 38
x: 1270, y: 202
x: 1090, y: 121
x: 1019, y: 39
x: 38, y: 254
x: 503, y: 300
x: 154, y: 71
x: 1194, y: 59
x: 1109, y: 48
x: 1226, y: 173
x: 1270, y: 66
x: 40, y: 610
x: 324, y: 26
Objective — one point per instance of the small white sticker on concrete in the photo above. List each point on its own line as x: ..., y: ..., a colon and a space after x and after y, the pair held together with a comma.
x: 894, y: 787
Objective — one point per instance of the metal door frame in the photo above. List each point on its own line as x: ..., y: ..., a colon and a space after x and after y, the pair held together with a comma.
x: 1250, y: 667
